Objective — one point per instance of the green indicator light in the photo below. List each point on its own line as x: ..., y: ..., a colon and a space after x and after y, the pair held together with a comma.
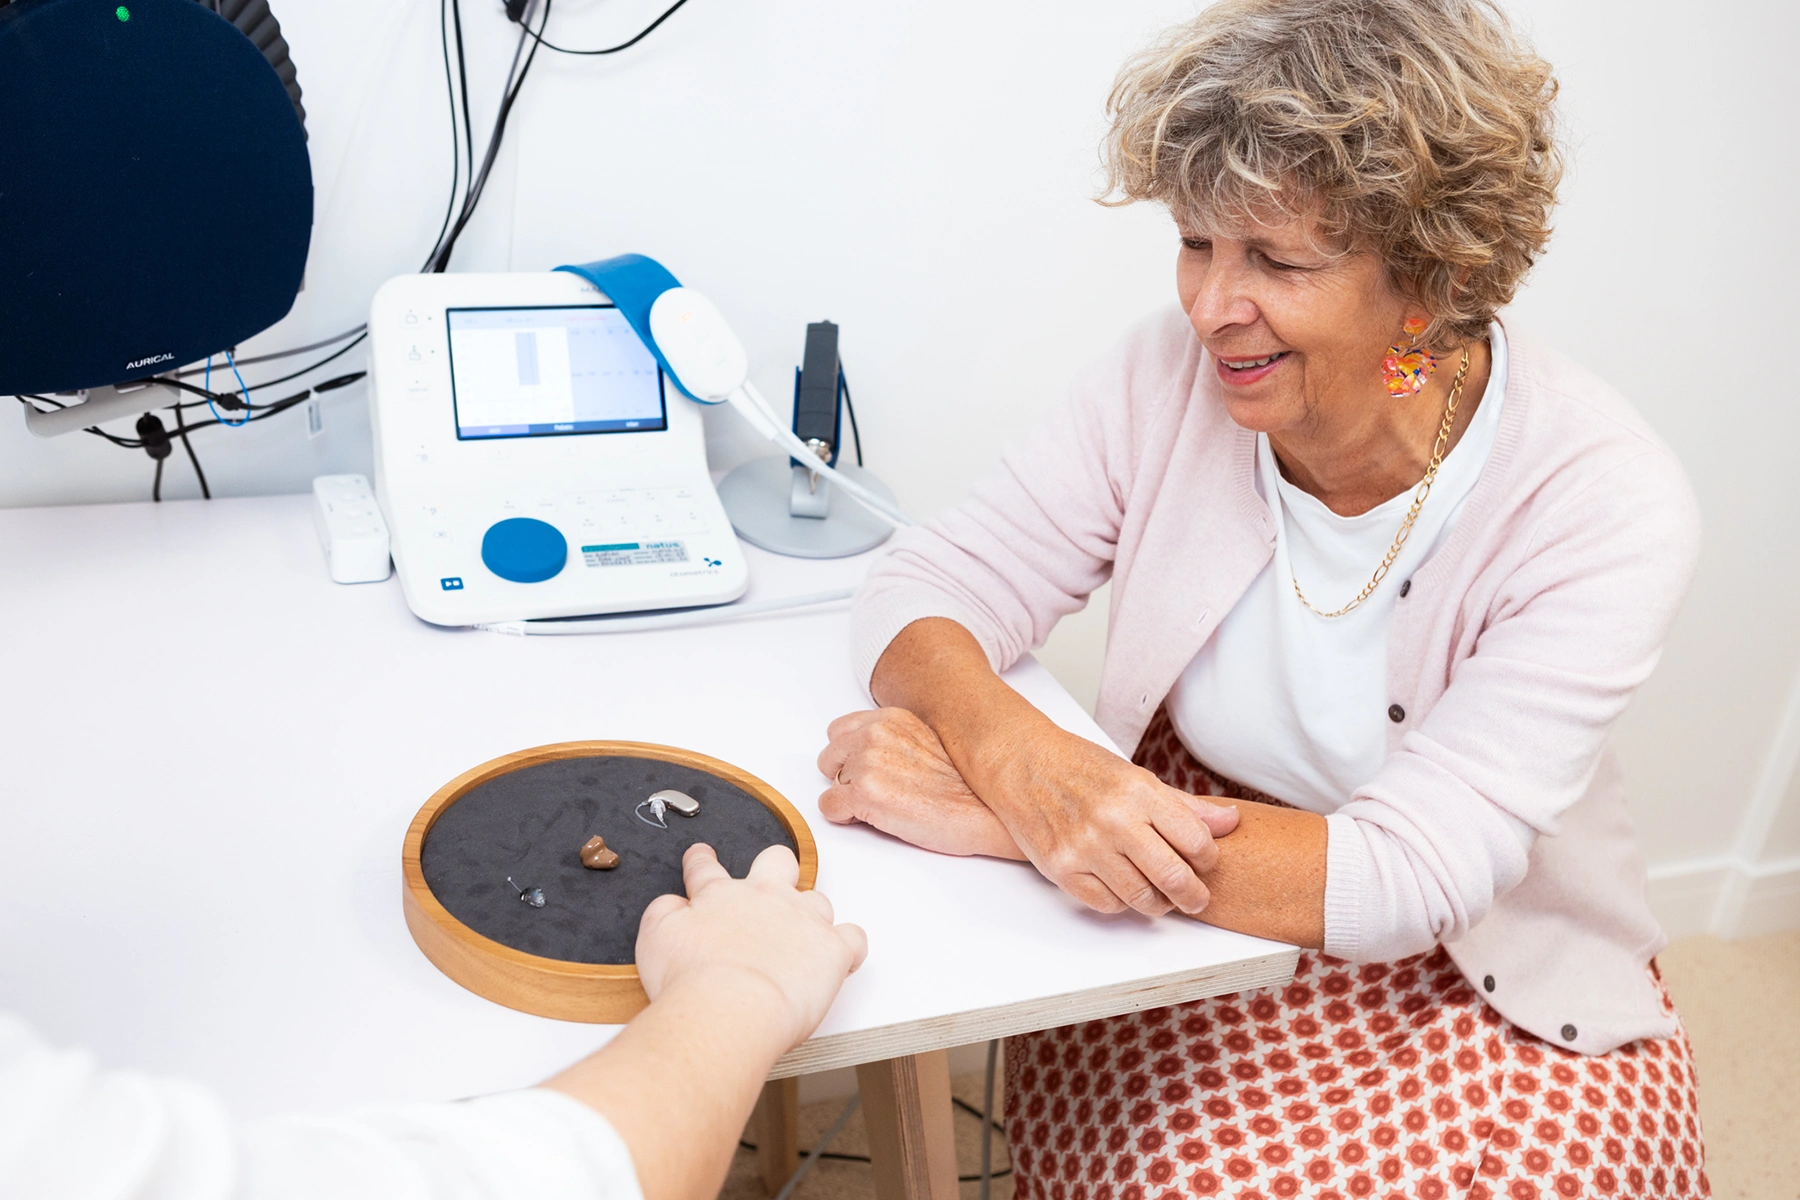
x: 123, y: 13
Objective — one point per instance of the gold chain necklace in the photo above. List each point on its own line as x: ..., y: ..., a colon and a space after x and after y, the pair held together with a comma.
x: 1419, y: 494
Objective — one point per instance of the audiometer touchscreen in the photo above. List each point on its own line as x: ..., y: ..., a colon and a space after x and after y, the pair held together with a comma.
x: 521, y: 372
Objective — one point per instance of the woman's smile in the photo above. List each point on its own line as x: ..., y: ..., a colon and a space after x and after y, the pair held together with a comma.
x: 1241, y: 370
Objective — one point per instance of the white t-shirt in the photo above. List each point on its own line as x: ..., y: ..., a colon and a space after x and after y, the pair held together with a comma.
x: 71, y: 1131
x: 1294, y: 704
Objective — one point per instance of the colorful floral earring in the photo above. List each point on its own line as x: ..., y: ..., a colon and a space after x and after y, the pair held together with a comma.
x: 1404, y: 369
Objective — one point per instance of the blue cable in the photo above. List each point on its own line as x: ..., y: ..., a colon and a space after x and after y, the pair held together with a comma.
x: 244, y: 391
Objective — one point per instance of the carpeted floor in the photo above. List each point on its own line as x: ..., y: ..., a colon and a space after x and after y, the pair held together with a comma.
x: 1741, y: 1001
x: 834, y: 1179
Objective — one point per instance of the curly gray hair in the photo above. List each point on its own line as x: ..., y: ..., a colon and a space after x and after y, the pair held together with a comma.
x: 1422, y: 131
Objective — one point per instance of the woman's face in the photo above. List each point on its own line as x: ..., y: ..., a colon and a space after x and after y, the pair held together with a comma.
x: 1296, y: 335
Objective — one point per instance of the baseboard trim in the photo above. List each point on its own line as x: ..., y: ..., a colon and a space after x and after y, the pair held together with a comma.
x: 1726, y: 896
x: 1685, y: 895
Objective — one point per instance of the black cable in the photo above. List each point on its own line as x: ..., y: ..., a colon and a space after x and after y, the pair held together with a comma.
x: 262, y: 358
x: 341, y: 381
x: 515, y: 83
x: 975, y: 1112
x: 439, y: 259
x: 831, y: 1154
x: 311, y: 367
x: 156, y: 485
x: 263, y: 412
x: 181, y: 431
x: 128, y: 443
x: 462, y: 79
x: 863, y: 1158
x: 456, y: 125
x: 229, y: 401
x: 844, y: 383
x: 642, y: 34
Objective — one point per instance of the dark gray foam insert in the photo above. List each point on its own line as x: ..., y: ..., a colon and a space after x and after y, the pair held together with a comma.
x: 531, y: 824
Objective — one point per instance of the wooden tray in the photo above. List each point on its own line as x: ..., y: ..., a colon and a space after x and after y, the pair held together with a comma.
x: 601, y: 993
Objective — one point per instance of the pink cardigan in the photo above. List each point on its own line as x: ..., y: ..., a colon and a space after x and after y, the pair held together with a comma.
x: 1515, y: 648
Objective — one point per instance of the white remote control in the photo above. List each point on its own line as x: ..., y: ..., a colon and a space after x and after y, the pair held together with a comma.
x: 351, y: 529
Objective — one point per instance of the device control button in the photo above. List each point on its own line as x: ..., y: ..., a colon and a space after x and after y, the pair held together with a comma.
x: 524, y: 550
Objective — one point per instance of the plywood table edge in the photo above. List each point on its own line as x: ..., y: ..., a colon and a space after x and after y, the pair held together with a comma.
x: 961, y: 1029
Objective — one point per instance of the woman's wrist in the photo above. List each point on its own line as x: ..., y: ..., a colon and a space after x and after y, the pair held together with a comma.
x: 994, y: 750
x: 937, y: 670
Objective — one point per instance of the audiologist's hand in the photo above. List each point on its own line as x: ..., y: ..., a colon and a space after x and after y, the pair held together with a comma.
x: 738, y: 972
x: 756, y: 942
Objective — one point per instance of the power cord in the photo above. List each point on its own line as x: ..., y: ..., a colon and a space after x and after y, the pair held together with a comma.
x: 278, y: 354
x: 515, y: 82
x: 645, y: 32
x: 461, y: 134
x: 959, y: 1102
x: 361, y: 336
x: 182, y: 432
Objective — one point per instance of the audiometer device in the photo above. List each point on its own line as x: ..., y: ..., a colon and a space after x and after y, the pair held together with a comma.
x: 533, y: 459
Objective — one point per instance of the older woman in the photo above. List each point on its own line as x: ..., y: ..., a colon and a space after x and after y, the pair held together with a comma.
x: 1384, y: 576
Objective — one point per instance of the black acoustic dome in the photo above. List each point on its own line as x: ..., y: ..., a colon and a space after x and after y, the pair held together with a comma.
x: 155, y: 191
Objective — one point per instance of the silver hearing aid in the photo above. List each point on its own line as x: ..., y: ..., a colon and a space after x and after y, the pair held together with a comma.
x: 659, y: 804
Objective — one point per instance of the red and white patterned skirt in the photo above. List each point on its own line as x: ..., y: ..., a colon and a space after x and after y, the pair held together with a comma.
x: 1384, y: 1079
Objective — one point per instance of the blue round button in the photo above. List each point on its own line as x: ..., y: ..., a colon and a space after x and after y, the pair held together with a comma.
x: 524, y: 550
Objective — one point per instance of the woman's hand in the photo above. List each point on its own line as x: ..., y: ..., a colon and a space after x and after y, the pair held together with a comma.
x: 754, y: 942
x: 1110, y: 834
x: 888, y: 769
x: 1105, y: 831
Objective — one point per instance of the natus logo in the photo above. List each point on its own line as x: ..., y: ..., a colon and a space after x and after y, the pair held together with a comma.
x: 151, y: 361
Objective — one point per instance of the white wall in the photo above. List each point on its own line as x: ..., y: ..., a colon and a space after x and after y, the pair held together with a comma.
x: 1673, y: 276
x: 920, y: 173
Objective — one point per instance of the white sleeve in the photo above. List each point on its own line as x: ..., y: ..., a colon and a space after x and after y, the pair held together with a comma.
x: 70, y: 1130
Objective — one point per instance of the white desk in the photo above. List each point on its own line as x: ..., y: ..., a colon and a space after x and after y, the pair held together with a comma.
x: 212, y: 753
